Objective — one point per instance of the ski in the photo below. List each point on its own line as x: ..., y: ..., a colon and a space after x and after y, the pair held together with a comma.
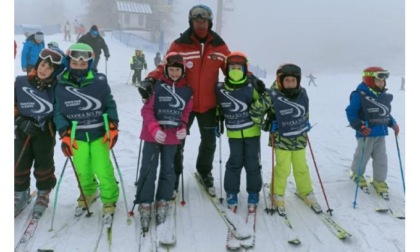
x: 232, y: 243
x: 105, y: 231
x: 287, y: 228
x: 233, y: 222
x: 31, y: 196
x: 387, y: 202
x: 250, y: 224
x: 108, y: 220
x: 378, y: 205
x: 147, y: 243
x: 333, y: 226
x: 27, y: 234
x: 166, y: 232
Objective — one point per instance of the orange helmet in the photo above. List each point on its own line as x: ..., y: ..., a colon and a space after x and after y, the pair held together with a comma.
x: 237, y: 57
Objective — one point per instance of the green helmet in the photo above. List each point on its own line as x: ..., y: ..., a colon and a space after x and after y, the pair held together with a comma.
x: 80, y: 51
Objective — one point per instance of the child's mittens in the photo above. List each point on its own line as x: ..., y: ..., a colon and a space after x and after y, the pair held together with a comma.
x: 364, y: 130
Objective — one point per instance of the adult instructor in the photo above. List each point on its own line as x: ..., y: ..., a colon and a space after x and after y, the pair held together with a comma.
x: 205, y: 53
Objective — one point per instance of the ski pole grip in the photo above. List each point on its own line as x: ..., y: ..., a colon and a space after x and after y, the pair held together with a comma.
x: 105, y: 116
x: 73, y: 131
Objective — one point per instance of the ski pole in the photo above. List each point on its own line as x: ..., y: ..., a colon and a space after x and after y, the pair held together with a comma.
x: 56, y: 195
x: 72, y: 139
x: 106, y: 66
x: 105, y: 116
x: 129, y: 75
x: 329, y: 210
x: 182, y: 188
x: 220, y: 162
x: 140, y: 187
x: 262, y: 180
x: 138, y: 164
x: 359, y: 171
x: 271, y: 210
x: 25, y: 144
x: 401, y: 168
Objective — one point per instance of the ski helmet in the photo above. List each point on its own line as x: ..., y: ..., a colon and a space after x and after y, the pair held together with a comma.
x: 139, y: 50
x: 174, y: 59
x: 237, y: 57
x: 288, y: 70
x: 374, y: 72
x: 54, y: 58
x: 200, y: 11
x: 79, y: 51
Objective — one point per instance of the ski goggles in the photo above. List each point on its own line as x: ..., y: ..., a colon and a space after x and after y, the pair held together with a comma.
x: 289, y: 69
x: 81, y: 55
x: 381, y: 75
x: 174, y: 59
x: 200, y: 12
x: 54, y: 56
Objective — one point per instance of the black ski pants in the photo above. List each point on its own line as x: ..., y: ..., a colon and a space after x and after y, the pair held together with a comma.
x: 244, y: 152
x: 206, y: 124
x: 39, y: 152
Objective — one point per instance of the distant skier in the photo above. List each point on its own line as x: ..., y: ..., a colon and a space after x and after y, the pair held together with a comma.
x: 97, y: 42
x: 402, y: 84
x: 30, y: 51
x: 157, y: 59
x: 311, y: 79
x: 137, y: 63
x: 67, y: 31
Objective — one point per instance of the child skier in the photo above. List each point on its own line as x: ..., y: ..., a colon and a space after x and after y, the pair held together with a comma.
x: 137, y: 63
x: 243, y: 134
x: 288, y: 109
x: 165, y: 116
x: 82, y: 98
x: 369, y: 113
x: 35, y: 131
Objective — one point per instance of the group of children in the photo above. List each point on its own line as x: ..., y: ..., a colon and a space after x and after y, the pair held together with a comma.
x: 245, y: 107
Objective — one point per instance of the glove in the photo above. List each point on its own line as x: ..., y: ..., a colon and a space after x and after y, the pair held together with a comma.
x: 28, y: 126
x: 145, y: 88
x: 181, y: 133
x: 394, y: 125
x: 364, y: 130
x: 107, y: 57
x: 113, y: 135
x: 66, y: 144
x: 396, y: 129
x: 131, y: 66
x: 258, y: 84
x: 160, y: 136
x: 274, y: 126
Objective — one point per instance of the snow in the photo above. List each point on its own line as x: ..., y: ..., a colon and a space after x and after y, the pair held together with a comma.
x: 199, y: 227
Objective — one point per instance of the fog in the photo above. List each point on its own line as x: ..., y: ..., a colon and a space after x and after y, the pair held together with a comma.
x: 321, y: 36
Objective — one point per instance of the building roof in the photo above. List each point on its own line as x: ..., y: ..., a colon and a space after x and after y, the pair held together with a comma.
x: 134, y: 7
